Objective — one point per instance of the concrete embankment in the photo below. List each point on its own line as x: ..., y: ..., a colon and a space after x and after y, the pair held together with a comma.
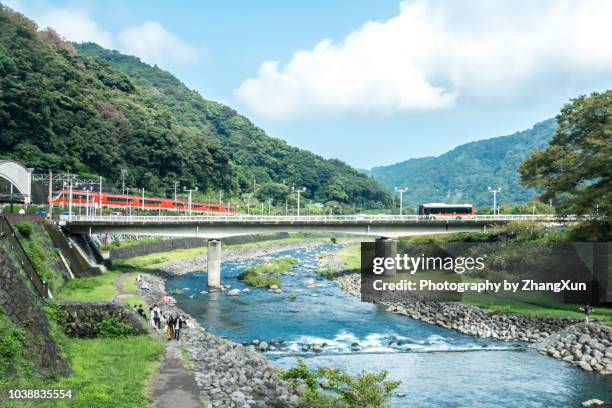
x: 571, y: 340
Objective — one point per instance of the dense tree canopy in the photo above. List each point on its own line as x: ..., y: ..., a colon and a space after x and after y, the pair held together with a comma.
x: 92, y: 111
x: 463, y: 174
x: 575, y: 169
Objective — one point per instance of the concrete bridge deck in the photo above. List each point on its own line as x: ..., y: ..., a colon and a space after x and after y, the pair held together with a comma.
x: 216, y: 227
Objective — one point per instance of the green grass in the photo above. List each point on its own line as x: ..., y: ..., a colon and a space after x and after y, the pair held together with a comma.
x: 542, y: 308
x: 106, y: 373
x: 159, y: 259
x: 267, y: 274
x: 351, y: 256
x: 129, y: 282
x: 95, y: 288
x: 42, y: 254
x: 136, y: 300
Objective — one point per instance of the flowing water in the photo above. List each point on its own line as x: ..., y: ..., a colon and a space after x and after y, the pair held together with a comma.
x: 437, y: 367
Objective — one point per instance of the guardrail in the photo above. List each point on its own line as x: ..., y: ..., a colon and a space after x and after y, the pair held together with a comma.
x: 6, y: 231
x: 316, y: 218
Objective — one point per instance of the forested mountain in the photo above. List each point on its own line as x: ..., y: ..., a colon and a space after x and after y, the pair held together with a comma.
x: 464, y: 173
x: 93, y: 111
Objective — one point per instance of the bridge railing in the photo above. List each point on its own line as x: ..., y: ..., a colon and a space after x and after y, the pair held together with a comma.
x: 317, y: 218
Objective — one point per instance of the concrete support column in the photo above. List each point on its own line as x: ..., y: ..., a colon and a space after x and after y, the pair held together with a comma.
x: 213, y: 262
x: 386, y: 248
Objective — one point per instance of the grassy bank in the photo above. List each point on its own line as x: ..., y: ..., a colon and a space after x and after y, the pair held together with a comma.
x: 267, y: 274
x: 94, y: 288
x: 159, y: 259
x: 106, y: 372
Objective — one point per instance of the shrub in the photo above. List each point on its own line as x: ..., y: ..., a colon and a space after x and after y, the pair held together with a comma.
x: 24, y: 228
x: 53, y: 311
x: 266, y: 274
x: 112, y: 328
x: 370, y: 390
x: 12, y: 340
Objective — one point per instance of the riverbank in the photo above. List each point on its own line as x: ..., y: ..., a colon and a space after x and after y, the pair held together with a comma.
x: 227, y: 374
x: 568, y: 339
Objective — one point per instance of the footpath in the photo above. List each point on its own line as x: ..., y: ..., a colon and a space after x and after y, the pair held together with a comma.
x: 174, y: 385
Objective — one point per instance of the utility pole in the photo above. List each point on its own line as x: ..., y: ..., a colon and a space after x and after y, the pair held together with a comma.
x: 248, y: 202
x: 124, y: 173
x: 298, y: 191
x: 50, y: 211
x: 401, y: 191
x: 176, y: 183
x: 495, y: 191
x: 70, y: 201
x: 269, y: 206
x: 100, y: 197
x: 190, y: 192
x: 142, y: 202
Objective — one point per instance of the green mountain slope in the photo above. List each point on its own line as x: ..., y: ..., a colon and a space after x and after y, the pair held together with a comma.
x: 464, y: 173
x: 92, y: 111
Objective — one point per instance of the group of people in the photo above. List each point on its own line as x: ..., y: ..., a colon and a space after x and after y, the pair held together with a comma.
x: 169, y: 324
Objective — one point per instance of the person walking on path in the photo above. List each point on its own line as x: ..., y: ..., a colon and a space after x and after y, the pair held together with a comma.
x: 178, y: 325
x: 157, y: 317
x: 170, y: 329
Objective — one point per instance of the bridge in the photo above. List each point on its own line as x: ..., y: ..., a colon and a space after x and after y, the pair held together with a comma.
x: 214, y: 228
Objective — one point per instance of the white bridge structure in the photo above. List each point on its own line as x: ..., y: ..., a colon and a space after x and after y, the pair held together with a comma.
x: 214, y: 228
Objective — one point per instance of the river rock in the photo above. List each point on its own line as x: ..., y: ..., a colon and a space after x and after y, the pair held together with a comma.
x: 592, y: 403
x: 233, y: 292
x: 316, y: 348
x: 263, y: 346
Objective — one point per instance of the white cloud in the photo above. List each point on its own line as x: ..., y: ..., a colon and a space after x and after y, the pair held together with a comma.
x: 149, y: 41
x: 155, y: 45
x: 75, y: 25
x: 435, y: 53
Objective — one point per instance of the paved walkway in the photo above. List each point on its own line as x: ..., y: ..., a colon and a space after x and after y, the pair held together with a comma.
x: 174, y: 385
x: 119, y: 283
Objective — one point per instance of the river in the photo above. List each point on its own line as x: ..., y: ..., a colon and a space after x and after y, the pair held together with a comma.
x: 437, y: 367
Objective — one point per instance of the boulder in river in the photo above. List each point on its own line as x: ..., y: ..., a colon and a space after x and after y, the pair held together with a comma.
x: 592, y: 403
x: 233, y: 292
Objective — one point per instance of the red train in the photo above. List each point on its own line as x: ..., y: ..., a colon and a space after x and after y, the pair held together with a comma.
x: 109, y: 200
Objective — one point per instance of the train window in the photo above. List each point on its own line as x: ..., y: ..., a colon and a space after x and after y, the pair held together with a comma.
x: 178, y: 204
x: 118, y: 199
x: 152, y: 202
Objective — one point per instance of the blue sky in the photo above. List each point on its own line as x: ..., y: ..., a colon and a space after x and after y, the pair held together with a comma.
x: 368, y: 82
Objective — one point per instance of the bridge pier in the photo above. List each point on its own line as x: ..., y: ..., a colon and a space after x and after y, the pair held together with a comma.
x: 213, y: 263
x: 386, y: 248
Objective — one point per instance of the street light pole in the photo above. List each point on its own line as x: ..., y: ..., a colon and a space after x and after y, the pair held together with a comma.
x: 298, y: 191
x: 189, y: 202
x: 401, y: 191
x: 248, y: 202
x: 495, y: 191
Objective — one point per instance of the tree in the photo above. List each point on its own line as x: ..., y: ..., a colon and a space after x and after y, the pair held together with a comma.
x: 574, y: 170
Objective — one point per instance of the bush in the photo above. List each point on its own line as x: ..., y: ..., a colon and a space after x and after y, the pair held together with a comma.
x: 266, y: 274
x: 24, y: 228
x: 113, y: 328
x: 12, y: 340
x: 370, y: 390
x: 53, y: 311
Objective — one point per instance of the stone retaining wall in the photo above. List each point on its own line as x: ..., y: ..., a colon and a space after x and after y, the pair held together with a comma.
x: 80, y: 318
x: 24, y: 308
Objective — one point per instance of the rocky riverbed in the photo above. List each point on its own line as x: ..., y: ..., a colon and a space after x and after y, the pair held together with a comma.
x: 571, y: 340
x: 227, y: 374
x: 198, y: 263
